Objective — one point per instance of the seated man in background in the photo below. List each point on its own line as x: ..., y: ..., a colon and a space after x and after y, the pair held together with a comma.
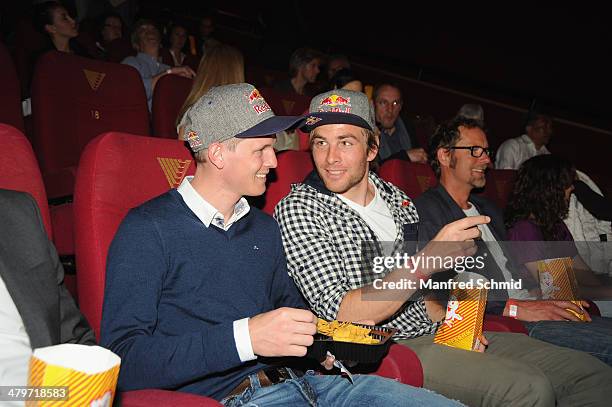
x: 343, y: 214
x: 513, y: 152
x: 395, y: 138
x: 36, y: 309
x: 146, y: 39
x: 460, y: 156
x: 198, y: 298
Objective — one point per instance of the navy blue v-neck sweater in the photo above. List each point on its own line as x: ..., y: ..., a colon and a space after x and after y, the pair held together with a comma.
x: 174, y: 288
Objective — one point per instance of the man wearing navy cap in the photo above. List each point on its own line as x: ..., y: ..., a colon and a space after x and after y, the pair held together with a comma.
x: 198, y: 298
x: 342, y: 217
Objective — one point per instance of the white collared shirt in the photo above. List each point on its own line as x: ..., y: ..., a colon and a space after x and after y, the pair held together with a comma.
x: 208, y: 214
x: 513, y: 152
x: 205, y: 211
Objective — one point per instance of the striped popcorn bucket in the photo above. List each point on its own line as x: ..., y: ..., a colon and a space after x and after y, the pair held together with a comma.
x: 86, y: 375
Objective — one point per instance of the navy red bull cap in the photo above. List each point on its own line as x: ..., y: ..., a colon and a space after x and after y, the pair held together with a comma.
x: 339, y: 106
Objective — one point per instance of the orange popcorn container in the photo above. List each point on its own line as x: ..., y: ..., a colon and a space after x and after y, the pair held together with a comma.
x: 558, y: 282
x: 462, y: 326
x: 79, y: 375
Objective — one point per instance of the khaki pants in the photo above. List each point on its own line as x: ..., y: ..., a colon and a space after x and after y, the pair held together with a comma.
x: 515, y: 370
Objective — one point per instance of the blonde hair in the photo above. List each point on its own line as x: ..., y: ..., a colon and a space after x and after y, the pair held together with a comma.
x: 222, y: 65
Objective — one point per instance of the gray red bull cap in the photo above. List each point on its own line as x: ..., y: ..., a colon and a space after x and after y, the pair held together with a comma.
x: 339, y: 106
x: 227, y: 111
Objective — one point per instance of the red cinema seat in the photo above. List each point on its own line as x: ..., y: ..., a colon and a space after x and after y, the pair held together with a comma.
x: 499, y: 185
x: 73, y: 100
x: 293, y: 167
x: 19, y: 171
x: 286, y: 104
x: 117, y: 172
x: 403, y: 365
x: 10, y: 92
x: 497, y: 323
x: 168, y: 98
x: 412, y: 178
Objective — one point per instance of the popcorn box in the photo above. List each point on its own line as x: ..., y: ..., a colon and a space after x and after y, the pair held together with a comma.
x: 558, y: 282
x: 462, y: 326
x: 90, y: 374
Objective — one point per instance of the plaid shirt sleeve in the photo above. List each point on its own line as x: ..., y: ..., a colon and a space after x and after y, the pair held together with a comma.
x: 312, y: 256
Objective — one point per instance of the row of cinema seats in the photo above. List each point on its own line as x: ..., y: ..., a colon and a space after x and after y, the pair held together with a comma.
x: 414, y: 179
x: 74, y: 99
x: 118, y: 171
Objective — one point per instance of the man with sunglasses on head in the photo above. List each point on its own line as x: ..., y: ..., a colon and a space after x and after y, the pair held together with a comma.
x: 395, y: 137
x: 460, y: 155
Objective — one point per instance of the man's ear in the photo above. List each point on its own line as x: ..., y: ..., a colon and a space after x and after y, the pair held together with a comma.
x: 444, y: 156
x: 215, y: 155
x: 50, y: 29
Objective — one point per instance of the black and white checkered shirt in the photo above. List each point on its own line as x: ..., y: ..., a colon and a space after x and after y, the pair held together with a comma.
x: 323, y: 240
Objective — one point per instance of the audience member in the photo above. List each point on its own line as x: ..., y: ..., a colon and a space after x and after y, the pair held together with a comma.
x: 460, y: 156
x: 335, y: 63
x: 395, y: 139
x: 146, y: 41
x: 178, y: 322
x: 177, y: 53
x: 53, y: 20
x: 537, y: 206
x: 303, y: 70
x: 206, y: 39
x: 222, y: 65
x: 111, y: 29
x: 36, y: 309
x: 342, y: 215
x: 513, y: 152
x: 472, y: 111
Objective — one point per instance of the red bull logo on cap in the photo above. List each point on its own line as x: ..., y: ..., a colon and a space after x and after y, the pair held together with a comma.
x: 259, y: 103
x: 335, y: 103
x: 335, y: 100
x: 255, y: 96
x: 194, y: 140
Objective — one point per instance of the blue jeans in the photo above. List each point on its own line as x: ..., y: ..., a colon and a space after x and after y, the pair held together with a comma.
x: 593, y: 337
x: 333, y: 390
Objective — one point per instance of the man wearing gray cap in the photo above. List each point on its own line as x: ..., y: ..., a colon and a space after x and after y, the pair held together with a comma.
x: 198, y: 298
x: 342, y: 218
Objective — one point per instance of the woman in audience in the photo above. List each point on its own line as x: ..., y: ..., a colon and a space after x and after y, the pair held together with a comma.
x: 110, y: 30
x: 536, y: 208
x: 177, y: 53
x: 53, y: 20
x: 222, y: 65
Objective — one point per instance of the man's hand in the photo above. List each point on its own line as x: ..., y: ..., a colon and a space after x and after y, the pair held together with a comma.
x: 454, y: 240
x: 549, y: 310
x: 417, y: 155
x: 184, y: 71
x: 484, y: 342
x: 282, y: 332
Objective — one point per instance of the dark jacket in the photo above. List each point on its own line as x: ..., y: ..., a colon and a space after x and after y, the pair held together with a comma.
x: 34, y: 276
x: 437, y: 208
